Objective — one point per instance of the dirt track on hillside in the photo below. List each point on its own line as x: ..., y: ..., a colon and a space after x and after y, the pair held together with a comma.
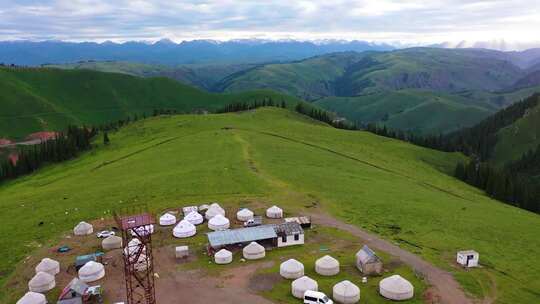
x: 446, y: 288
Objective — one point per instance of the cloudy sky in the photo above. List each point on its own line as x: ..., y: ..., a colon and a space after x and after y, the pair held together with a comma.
x: 414, y: 21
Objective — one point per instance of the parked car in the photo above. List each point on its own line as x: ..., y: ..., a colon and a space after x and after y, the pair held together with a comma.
x: 105, y: 234
x: 256, y: 221
x: 316, y: 297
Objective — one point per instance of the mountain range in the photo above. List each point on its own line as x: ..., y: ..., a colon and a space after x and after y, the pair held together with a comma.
x: 170, y: 53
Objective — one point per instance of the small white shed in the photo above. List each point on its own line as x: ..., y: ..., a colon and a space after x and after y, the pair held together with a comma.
x: 468, y: 258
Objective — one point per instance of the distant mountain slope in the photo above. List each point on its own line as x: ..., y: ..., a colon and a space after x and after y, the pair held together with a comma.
x: 169, y: 53
x: 202, y: 76
x: 308, y: 79
x: 447, y: 70
x: 417, y: 111
x: 531, y: 79
x: 50, y: 99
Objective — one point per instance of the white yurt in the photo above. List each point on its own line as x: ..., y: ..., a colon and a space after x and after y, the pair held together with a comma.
x: 91, y: 271
x: 167, y: 219
x: 143, y: 230
x: 327, y: 266
x: 141, y: 264
x: 223, y: 256
x: 32, y: 298
x: 194, y: 217
x: 42, y: 282
x: 346, y: 292
x: 214, y: 210
x: 219, y: 222
x: 291, y: 269
x: 184, y: 229
x: 202, y: 208
x: 83, y: 228
x: 396, y: 288
x: 49, y: 266
x: 299, y: 286
x: 254, y: 251
x: 112, y: 242
x: 274, y: 212
x: 244, y: 215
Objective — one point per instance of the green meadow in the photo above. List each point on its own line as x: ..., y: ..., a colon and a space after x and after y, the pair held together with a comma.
x: 402, y: 192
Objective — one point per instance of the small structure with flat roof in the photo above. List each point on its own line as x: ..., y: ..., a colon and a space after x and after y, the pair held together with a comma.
x: 468, y: 258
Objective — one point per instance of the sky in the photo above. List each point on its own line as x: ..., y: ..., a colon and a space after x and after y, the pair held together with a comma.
x: 398, y: 22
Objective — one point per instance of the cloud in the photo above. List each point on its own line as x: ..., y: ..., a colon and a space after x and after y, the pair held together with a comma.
x: 380, y: 20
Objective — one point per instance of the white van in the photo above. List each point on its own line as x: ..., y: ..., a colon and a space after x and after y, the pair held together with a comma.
x: 315, y: 297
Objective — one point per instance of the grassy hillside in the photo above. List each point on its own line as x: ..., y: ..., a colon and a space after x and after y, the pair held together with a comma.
x: 392, y: 188
x: 351, y: 74
x: 50, y: 99
x: 308, y: 79
x: 518, y: 138
x: 202, y: 76
x: 411, y: 110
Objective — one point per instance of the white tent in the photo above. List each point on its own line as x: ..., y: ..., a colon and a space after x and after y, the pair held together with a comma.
x: 42, y: 282
x: 194, y: 217
x: 111, y: 242
x: 167, y: 219
x: 143, y: 230
x: 346, y: 292
x: 299, y: 286
x: 141, y: 264
x: 32, y: 298
x: 254, y: 251
x: 219, y: 222
x: 244, y: 215
x: 91, y: 271
x: 291, y: 269
x: 396, y: 288
x: 202, y: 208
x: 327, y: 266
x: 49, y: 266
x: 274, y: 212
x: 214, y: 210
x: 83, y: 228
x: 223, y: 256
x: 184, y: 229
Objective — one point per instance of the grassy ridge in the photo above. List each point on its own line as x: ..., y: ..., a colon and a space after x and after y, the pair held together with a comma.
x: 389, y: 187
x: 50, y: 99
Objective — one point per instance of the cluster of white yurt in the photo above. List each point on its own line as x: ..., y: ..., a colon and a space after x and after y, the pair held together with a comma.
x: 111, y: 242
x: 327, y: 266
x: 346, y: 292
x: 143, y: 230
x: 184, y: 229
x: 32, y: 298
x: 396, y: 288
x: 274, y: 212
x: 49, y: 266
x: 83, y: 228
x: 223, y: 256
x: 301, y: 285
x: 194, y: 217
x: 244, y: 215
x: 219, y: 222
x: 213, y: 210
x: 167, y: 219
x: 254, y: 251
x: 42, y: 282
x: 291, y: 269
x: 91, y: 271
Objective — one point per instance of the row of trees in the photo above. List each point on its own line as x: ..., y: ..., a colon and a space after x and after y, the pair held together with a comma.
x: 64, y: 146
x: 324, y: 116
x: 246, y: 106
x: 504, y: 185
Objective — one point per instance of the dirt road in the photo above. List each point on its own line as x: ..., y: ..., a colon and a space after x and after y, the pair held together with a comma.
x: 446, y: 288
